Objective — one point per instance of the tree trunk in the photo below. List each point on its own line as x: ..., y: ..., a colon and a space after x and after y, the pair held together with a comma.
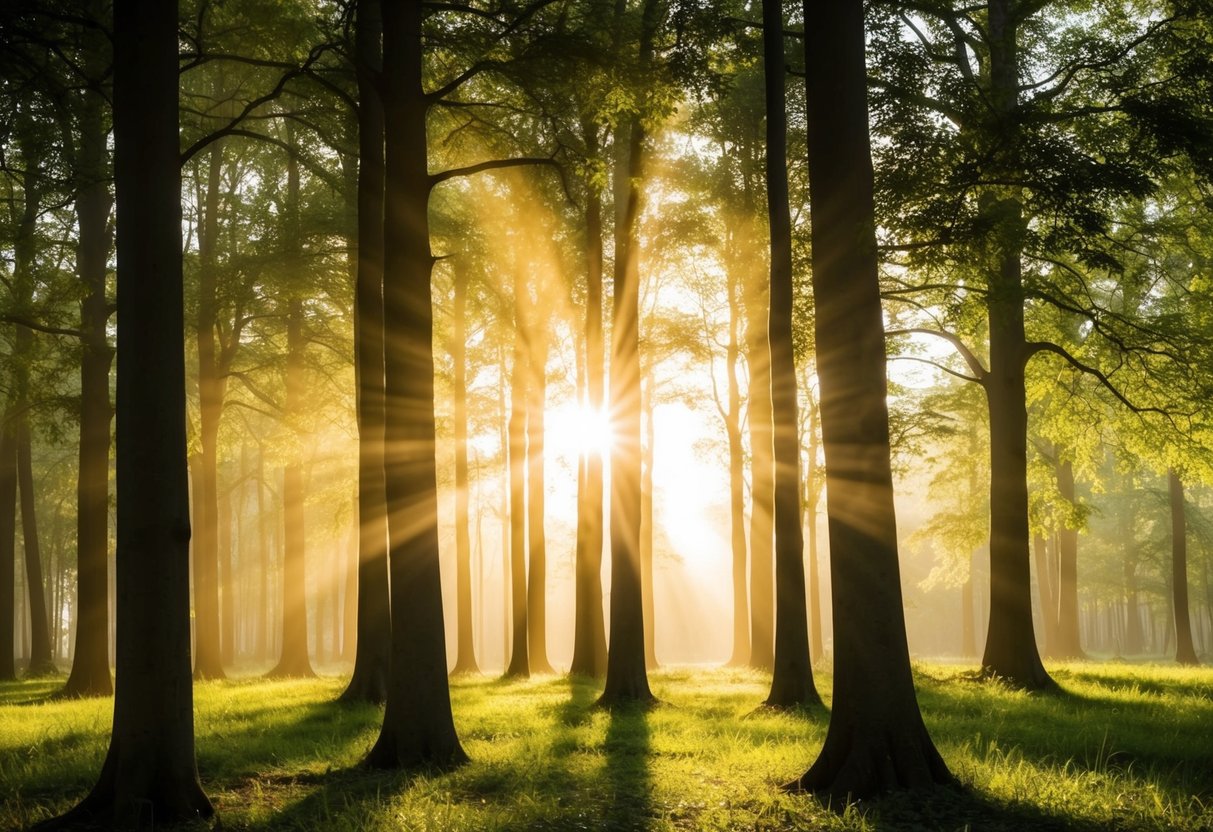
x: 1010, y: 651
x: 876, y: 739
x: 646, y: 531
x: 1185, y: 653
x: 149, y: 774
x: 1069, y: 645
x: 90, y: 674
x: 293, y: 661
x: 1048, y: 599
x: 208, y: 660
x: 812, y: 497
x: 8, y: 547
x: 792, y: 680
x: 536, y: 620
x: 374, y: 624
x: 589, y: 638
x: 732, y: 423
x: 227, y: 584
x: 762, y: 480
x: 41, y: 663
x: 968, y: 623
x: 626, y: 678
x: 418, y: 728
x: 519, y: 662
x: 465, y: 658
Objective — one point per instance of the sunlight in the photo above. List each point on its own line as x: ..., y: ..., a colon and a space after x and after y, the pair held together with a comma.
x: 573, y: 429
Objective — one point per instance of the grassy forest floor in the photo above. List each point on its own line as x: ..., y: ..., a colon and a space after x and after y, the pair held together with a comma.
x: 1122, y: 747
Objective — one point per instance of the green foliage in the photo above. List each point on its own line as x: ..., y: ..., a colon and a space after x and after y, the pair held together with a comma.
x: 1121, y: 747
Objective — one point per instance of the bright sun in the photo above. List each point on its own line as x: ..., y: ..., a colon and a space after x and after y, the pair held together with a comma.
x: 572, y: 429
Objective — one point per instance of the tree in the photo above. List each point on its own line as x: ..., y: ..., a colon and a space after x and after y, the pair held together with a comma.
x: 876, y: 738
x: 465, y: 658
x: 1185, y: 653
x: 792, y: 680
x: 520, y: 375
x: 418, y: 727
x: 149, y: 771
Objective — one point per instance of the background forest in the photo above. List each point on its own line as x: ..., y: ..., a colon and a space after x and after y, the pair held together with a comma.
x: 593, y: 222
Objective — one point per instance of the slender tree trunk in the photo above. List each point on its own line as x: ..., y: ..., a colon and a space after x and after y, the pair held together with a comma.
x: 369, y: 680
x: 626, y: 678
x: 418, y: 728
x: 813, y: 488
x: 263, y: 573
x: 646, y: 532
x: 1048, y: 599
x: 537, y: 652
x: 208, y: 660
x: 1069, y: 645
x: 519, y: 661
x: 1010, y: 651
x: 792, y: 680
x: 90, y: 674
x: 589, y: 639
x: 732, y: 421
x: 876, y: 739
x: 149, y: 774
x: 40, y: 661
x: 1185, y: 653
x: 465, y: 659
x: 8, y: 547
x: 762, y: 482
x: 227, y: 583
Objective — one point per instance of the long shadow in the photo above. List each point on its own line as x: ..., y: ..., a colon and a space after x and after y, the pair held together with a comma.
x: 630, y: 804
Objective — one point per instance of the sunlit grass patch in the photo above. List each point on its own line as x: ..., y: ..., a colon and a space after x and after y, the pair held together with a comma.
x: 1119, y: 747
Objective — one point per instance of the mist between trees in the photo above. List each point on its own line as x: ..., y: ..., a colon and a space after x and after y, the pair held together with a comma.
x: 513, y: 330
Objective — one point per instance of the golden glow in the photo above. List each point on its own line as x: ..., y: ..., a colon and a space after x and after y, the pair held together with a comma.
x: 572, y: 429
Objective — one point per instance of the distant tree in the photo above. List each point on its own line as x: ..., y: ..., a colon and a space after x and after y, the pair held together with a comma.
x: 465, y: 657
x: 1185, y: 652
x: 149, y: 772
x: 519, y: 664
x: 876, y: 739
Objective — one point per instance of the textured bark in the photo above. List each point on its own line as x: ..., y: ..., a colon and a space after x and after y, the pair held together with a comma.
x: 1010, y: 651
x: 792, y: 679
x: 418, y: 728
x: 1185, y: 652
x: 589, y: 637
x: 90, y: 673
x: 374, y: 618
x: 465, y: 657
x: 876, y: 739
x: 149, y: 772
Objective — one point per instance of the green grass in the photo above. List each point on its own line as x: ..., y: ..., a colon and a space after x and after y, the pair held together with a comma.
x: 1120, y: 748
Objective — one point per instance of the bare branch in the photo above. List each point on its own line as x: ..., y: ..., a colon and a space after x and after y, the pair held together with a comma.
x: 959, y: 345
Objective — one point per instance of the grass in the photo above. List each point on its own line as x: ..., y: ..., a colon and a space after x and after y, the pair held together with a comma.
x: 1119, y: 748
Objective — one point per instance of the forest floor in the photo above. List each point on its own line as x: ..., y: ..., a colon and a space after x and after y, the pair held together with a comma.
x: 1121, y: 747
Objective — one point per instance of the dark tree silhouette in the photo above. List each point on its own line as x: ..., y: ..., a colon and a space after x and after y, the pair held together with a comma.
x: 369, y: 680
x: 418, y: 728
x: 519, y: 664
x: 1185, y: 652
x: 149, y: 774
x: 465, y: 656
x: 792, y: 679
x: 876, y: 739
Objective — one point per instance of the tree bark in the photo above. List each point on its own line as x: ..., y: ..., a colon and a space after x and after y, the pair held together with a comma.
x: 90, y: 673
x: 589, y: 638
x: 465, y: 658
x: 876, y: 739
x: 374, y: 623
x: 1069, y: 644
x: 762, y: 480
x: 792, y: 679
x: 149, y: 771
x: 626, y: 678
x: 418, y: 728
x: 1185, y: 652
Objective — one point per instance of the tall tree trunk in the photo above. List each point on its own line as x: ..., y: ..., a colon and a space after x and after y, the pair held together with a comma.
x: 418, y: 728
x: 1185, y: 653
x: 465, y: 658
x: 626, y: 678
x: 369, y: 680
x: 792, y: 680
x: 646, y: 531
x: 293, y: 661
x: 208, y: 659
x: 8, y: 547
x: 876, y: 739
x: 762, y: 480
x: 519, y: 660
x: 536, y: 620
x: 263, y: 573
x: 589, y: 638
x: 41, y: 663
x: 90, y: 674
x: 812, y: 497
x: 227, y: 583
x: 1069, y: 645
x: 1048, y: 597
x: 732, y: 422
x: 1010, y: 651
x: 149, y: 772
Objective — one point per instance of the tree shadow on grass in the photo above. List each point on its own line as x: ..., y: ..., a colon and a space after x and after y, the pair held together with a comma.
x: 629, y: 785
x: 31, y: 691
